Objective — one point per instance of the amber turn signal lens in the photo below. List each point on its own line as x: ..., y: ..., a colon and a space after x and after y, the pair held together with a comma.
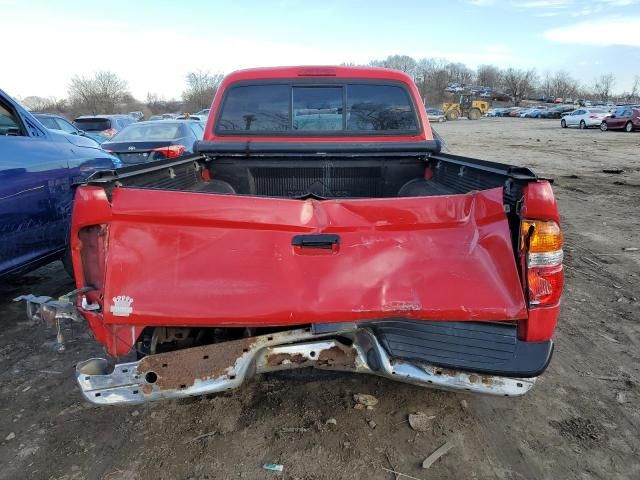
x: 545, y: 236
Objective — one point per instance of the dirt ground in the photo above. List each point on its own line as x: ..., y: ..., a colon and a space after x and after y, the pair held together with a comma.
x: 581, y: 421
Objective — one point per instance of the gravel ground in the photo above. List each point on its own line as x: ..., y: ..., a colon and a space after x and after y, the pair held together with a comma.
x: 581, y: 421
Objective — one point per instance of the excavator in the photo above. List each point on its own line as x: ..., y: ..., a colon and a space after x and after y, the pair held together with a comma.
x: 467, y: 106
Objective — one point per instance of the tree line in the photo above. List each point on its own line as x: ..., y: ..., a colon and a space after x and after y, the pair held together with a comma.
x: 105, y: 92
x: 432, y: 75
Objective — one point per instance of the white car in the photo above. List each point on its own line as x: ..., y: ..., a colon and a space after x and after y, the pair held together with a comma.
x: 584, y: 118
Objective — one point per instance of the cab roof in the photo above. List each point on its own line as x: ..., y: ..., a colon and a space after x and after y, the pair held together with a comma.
x: 319, y: 72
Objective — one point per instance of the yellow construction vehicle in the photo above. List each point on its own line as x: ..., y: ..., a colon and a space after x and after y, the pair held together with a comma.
x: 472, y: 109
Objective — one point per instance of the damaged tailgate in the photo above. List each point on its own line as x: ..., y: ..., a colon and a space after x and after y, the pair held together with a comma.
x: 182, y: 258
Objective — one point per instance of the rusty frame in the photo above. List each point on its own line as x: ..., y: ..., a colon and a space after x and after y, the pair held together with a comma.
x: 225, y: 366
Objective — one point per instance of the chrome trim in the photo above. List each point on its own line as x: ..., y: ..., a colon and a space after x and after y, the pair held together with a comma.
x: 546, y: 259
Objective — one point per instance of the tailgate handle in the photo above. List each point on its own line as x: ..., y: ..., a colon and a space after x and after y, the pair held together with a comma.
x: 325, y: 241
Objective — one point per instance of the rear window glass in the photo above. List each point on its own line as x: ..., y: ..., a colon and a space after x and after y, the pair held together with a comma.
x: 317, y: 108
x: 329, y: 108
x: 49, y: 122
x: 93, y: 124
x: 256, y: 108
x: 150, y: 132
x: 196, y: 129
x: 379, y: 107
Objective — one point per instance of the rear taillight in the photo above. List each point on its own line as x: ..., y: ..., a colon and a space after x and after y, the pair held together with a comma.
x: 172, y: 151
x: 541, y: 243
x: 110, y: 132
x: 545, y: 285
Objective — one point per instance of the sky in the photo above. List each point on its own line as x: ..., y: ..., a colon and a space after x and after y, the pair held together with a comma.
x: 154, y: 44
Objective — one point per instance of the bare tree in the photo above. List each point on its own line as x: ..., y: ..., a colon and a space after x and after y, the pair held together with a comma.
x: 564, y: 85
x: 634, y: 95
x: 432, y: 78
x: 518, y: 83
x: 488, y: 76
x: 42, y: 104
x: 603, y: 85
x: 100, y: 93
x: 459, y: 73
x: 158, y: 105
x: 201, y: 87
x: 404, y: 63
x: 546, y: 84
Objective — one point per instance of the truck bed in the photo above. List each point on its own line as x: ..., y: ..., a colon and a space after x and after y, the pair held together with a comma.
x: 327, y: 176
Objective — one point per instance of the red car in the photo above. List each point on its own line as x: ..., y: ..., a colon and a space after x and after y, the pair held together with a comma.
x: 319, y: 225
x: 625, y: 118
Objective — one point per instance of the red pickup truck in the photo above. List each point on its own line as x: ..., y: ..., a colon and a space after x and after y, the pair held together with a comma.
x: 318, y: 225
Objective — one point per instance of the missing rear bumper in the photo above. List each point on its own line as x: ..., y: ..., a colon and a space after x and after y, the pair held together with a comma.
x: 225, y: 366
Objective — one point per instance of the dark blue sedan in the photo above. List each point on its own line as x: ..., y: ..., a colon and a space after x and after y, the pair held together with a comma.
x: 155, y: 140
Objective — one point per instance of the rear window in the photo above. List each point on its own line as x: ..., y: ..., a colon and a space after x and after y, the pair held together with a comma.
x: 48, y: 122
x: 150, y: 132
x: 317, y: 108
x: 278, y: 108
x: 379, y: 108
x: 93, y: 124
x: 256, y: 108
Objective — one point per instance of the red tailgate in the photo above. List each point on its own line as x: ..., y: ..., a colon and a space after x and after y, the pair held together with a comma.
x: 202, y: 259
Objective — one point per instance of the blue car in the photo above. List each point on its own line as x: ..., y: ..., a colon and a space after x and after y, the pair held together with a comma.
x: 59, y: 123
x: 38, y: 168
x: 102, y: 128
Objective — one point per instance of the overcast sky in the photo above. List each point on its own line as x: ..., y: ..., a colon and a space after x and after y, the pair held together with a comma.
x: 153, y: 44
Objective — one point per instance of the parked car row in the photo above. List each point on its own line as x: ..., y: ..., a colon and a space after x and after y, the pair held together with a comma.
x: 540, y: 111
x: 624, y: 117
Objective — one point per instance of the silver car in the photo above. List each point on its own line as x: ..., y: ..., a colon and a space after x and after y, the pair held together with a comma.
x: 584, y: 118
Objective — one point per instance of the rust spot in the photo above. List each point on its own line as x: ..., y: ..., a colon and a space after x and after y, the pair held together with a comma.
x: 486, y: 379
x: 338, y: 356
x: 447, y: 372
x: 473, y: 378
x: 179, y: 369
x: 285, y: 358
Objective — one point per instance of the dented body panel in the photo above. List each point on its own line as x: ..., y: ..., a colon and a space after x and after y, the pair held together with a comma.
x: 189, y: 259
